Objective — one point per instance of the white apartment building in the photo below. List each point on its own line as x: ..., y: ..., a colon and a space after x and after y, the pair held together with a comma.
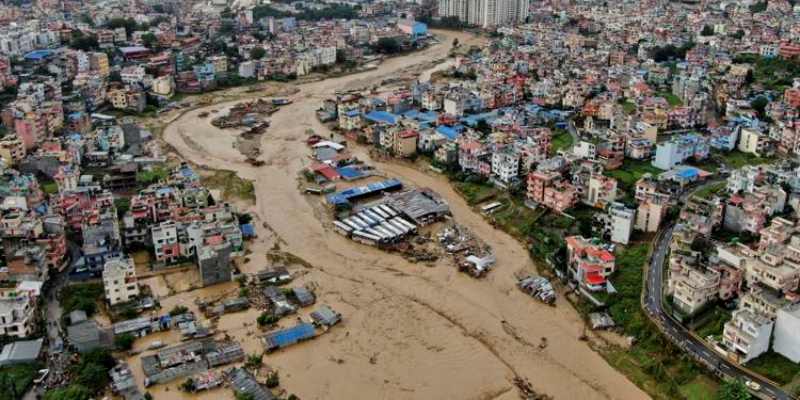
x: 786, y: 341
x: 132, y: 75
x: 746, y: 335
x: 119, y: 281
x: 16, y: 315
x: 486, y: 13
x: 619, y: 223
x: 505, y: 165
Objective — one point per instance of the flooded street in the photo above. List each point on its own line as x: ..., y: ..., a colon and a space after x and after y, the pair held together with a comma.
x: 409, y: 331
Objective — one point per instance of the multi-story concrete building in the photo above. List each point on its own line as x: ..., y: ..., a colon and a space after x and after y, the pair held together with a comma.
x: 746, y: 335
x: 486, y: 13
x: 589, y: 263
x: 505, y: 165
x: 618, y: 222
x: 680, y: 148
x: 786, y: 342
x: 119, y: 281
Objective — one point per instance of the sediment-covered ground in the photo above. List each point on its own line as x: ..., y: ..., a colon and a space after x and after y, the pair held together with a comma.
x: 410, y: 331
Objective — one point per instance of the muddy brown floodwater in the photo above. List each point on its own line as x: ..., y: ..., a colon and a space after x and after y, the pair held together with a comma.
x: 409, y: 331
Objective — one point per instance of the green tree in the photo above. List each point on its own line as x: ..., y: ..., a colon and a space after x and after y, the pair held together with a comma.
x: 387, y: 45
x: 273, y: 380
x: 244, y: 396
x: 707, y: 31
x: 124, y: 341
x: 93, y: 376
x: 150, y: 40
x: 257, y: 53
x: 733, y: 390
x: 254, y: 361
x: 178, y: 310
x: 71, y: 392
x: 83, y: 42
x: 759, y: 104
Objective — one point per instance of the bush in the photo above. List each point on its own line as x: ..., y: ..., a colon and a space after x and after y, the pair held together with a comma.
x: 178, y: 310
x: 273, y: 380
x: 254, y: 361
x: 82, y: 296
x: 188, y: 385
x: 267, y: 319
x: 71, y: 392
x: 124, y: 341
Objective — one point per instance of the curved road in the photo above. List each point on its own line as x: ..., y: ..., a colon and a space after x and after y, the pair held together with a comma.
x: 677, y: 333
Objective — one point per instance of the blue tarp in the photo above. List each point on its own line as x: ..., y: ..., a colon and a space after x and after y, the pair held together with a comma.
x: 248, y: 230
x: 289, y: 336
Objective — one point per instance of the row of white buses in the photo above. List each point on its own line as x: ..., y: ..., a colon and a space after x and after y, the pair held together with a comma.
x: 375, y: 226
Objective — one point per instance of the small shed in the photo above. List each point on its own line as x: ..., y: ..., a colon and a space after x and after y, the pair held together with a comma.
x: 325, y: 316
x: 303, y: 296
x: 20, y: 352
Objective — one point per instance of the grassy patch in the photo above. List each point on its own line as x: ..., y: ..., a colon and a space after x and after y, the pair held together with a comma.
x: 775, y: 366
x: 736, y: 159
x: 700, y: 388
x: 713, y: 323
x: 15, y: 380
x: 630, y: 172
x: 231, y: 185
x: 773, y: 73
x: 710, y: 190
x: 629, y: 107
x: 561, y: 140
x: 672, y: 99
x: 50, y: 187
x: 475, y: 192
x: 516, y: 218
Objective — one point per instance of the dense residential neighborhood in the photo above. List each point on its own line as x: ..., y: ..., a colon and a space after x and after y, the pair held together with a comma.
x: 170, y: 174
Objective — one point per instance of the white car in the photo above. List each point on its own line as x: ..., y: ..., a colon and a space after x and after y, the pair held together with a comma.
x: 753, y: 386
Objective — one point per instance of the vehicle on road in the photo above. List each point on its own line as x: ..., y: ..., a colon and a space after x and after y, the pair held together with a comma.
x: 753, y: 386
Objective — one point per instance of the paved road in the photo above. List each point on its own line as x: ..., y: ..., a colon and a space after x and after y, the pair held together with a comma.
x: 678, y: 334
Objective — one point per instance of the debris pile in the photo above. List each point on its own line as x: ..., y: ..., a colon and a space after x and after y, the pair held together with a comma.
x: 526, y: 391
x: 246, y: 114
x: 470, y: 254
x: 538, y: 287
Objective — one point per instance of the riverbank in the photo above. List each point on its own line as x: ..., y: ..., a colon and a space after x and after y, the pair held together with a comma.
x: 409, y: 331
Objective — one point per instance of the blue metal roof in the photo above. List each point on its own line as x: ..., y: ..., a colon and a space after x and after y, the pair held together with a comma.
x: 290, y: 336
x: 343, y: 197
x: 451, y: 133
x: 382, y: 116
x: 37, y: 55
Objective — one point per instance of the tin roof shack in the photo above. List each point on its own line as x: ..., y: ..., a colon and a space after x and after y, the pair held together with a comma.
x: 20, y: 352
x: 273, y: 276
x: 124, y: 384
x: 231, y: 305
x: 422, y: 206
x: 286, y: 337
x: 188, y: 359
x: 141, y: 326
x: 85, y: 335
x: 326, y: 317
x: 303, y: 296
x: 280, y: 304
x: 244, y: 383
